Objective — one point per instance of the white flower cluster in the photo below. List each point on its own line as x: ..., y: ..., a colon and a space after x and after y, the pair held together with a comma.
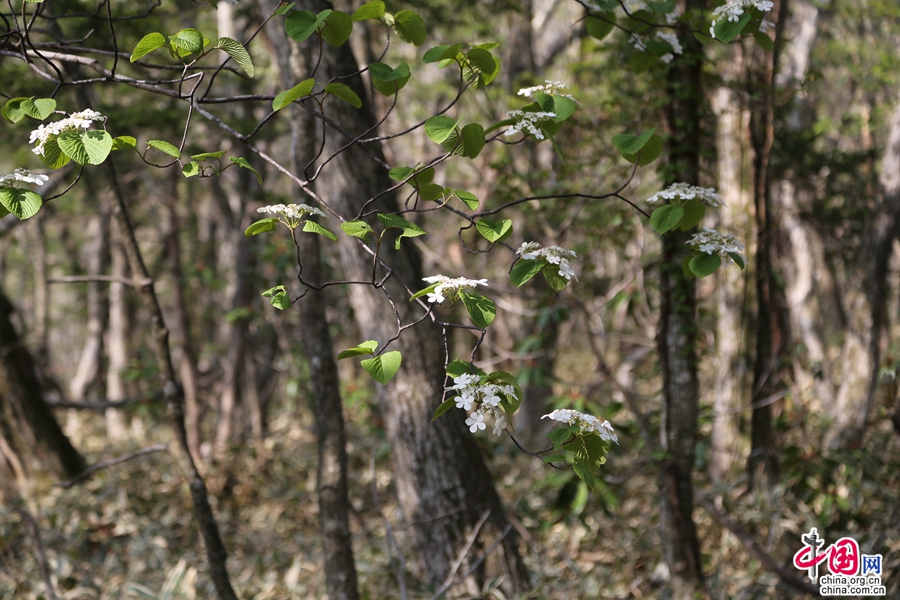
x: 586, y: 423
x: 735, y: 8
x: 688, y: 192
x: 711, y: 242
x: 291, y: 214
x: 450, y: 287
x: 75, y: 121
x: 551, y: 88
x: 672, y: 39
x: 528, y: 121
x: 23, y: 175
x: 552, y: 254
x: 485, y: 398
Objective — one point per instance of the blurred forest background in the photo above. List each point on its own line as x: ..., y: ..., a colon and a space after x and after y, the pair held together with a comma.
x: 798, y: 413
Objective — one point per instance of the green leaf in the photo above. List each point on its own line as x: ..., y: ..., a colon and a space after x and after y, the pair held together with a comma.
x: 482, y: 67
x: 704, y: 264
x: 261, y: 226
x: 728, y: 30
x: 472, y: 140
x: 500, y: 124
x: 344, y: 93
x: 359, y: 229
x: 439, y: 53
x: 187, y: 41
x: 280, y: 300
x: 494, y: 232
x: 284, y: 7
x: 561, y: 435
x: 22, y: 203
x: 383, y: 368
x: 481, y: 60
x: 424, y: 177
x: 148, y: 44
x: 207, y: 155
x: 424, y: 291
x: 467, y: 198
x: 439, y: 128
x: 369, y: 10
x: 641, y: 61
x: 236, y: 51
x: 458, y: 367
x: 39, y: 108
x: 550, y: 458
x: 666, y: 217
x: 191, y: 169
x: 313, y: 227
x: 410, y: 230
x: 525, y: 270
x: 584, y: 474
x: 431, y: 191
x: 557, y: 282
x: 400, y: 173
x: 304, y: 88
x: 124, y: 141
x: 242, y: 163
x: 650, y: 152
x: 693, y: 212
x: 89, y: 147
x: 444, y: 407
x: 562, y: 107
x: 600, y: 28
x: 685, y: 267
x: 764, y: 41
x: 738, y: 259
x: 409, y: 27
x: 589, y: 450
x: 389, y: 81
x: 53, y: 155
x: 480, y: 308
x: 302, y: 24
x: 367, y: 347
x: 166, y: 147
x: 12, y: 110
x: 628, y: 143
x: 338, y: 26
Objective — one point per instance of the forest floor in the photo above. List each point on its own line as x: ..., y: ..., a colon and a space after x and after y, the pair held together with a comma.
x: 128, y: 531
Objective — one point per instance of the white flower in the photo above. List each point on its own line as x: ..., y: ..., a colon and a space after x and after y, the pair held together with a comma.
x: 688, y: 192
x: 712, y: 242
x: 528, y: 121
x: 586, y: 423
x: 23, y: 175
x: 734, y: 9
x: 464, y: 401
x: 476, y: 422
x: 672, y: 39
x: 499, y: 424
x: 450, y: 287
x: 291, y: 214
x: 551, y: 88
x: 75, y: 121
x: 552, y: 254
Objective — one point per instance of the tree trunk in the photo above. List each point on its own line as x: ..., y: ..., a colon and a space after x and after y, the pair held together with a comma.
x: 325, y: 399
x: 677, y: 335
x: 30, y: 437
x: 117, y: 341
x: 443, y: 484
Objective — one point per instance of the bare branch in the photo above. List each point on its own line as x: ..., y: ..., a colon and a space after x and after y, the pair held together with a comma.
x: 110, y: 463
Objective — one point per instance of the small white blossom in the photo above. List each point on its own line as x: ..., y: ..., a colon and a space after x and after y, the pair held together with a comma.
x: 527, y: 122
x: 291, y: 214
x: 688, y: 192
x: 499, y: 424
x: 476, y: 421
x: 586, y: 423
x: 712, y: 242
x: 734, y: 9
x: 451, y: 287
x: 75, y: 121
x: 672, y: 39
x: 23, y: 175
x: 552, y: 254
x: 551, y: 88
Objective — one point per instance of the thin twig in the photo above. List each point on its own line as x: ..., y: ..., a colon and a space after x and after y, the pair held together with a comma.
x: 38, y: 550
x: 462, y: 556
x: 109, y: 463
x: 481, y: 558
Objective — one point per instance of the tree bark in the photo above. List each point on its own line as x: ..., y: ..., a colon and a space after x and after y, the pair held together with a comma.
x: 677, y: 335
x: 117, y: 341
x: 443, y: 484
x: 30, y: 437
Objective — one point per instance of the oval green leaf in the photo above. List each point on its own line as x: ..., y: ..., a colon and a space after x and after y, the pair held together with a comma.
x: 22, y: 203
x: 344, y: 93
x: 313, y: 227
x: 337, y: 28
x: 480, y: 308
x: 369, y: 10
x: 666, y: 217
x: 261, y: 226
x: 409, y: 27
x: 600, y: 28
x: 704, y: 264
x: 235, y: 50
x: 525, y: 270
x: 494, y: 232
x: 148, y: 44
x: 383, y: 368
x: 304, y: 88
x: 164, y: 146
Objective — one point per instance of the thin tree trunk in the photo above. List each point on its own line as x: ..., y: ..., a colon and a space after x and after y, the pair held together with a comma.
x: 325, y: 398
x: 677, y: 335
x: 117, y: 342
x: 443, y: 485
